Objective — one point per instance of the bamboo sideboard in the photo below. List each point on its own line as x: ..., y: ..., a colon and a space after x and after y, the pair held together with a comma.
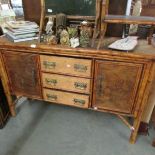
x: 100, y: 80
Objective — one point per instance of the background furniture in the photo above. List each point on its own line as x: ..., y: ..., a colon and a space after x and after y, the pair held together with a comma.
x: 122, y: 19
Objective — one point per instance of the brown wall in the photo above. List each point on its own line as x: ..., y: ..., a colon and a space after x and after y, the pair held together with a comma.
x: 32, y: 10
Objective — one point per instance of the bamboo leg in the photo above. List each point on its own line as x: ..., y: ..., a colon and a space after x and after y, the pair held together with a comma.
x: 97, y: 21
x: 125, y: 122
x: 134, y: 133
x: 5, y: 82
x: 42, y: 18
x: 146, y: 86
x: 102, y: 36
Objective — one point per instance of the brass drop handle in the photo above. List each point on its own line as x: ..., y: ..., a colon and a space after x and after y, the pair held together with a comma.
x: 79, y: 102
x: 80, y: 68
x: 79, y: 85
x: 51, y: 81
x: 51, y: 97
x: 49, y: 65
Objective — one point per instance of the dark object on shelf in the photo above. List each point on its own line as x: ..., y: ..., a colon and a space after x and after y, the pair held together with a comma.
x: 1, y: 31
x: 4, y: 108
x: 143, y: 31
x: 61, y: 20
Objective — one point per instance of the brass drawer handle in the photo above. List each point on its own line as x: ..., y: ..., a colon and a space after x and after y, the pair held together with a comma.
x: 49, y: 65
x: 51, y: 97
x: 81, y: 86
x: 80, y: 68
x: 51, y: 81
x: 79, y: 102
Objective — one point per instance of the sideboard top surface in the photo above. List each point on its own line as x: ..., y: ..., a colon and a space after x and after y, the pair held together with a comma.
x: 142, y: 50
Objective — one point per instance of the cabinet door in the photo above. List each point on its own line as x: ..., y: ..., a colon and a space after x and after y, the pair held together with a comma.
x: 116, y: 85
x: 23, y: 73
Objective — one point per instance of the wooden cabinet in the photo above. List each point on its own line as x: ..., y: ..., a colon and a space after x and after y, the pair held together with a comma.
x: 99, y: 80
x: 116, y: 85
x: 23, y: 73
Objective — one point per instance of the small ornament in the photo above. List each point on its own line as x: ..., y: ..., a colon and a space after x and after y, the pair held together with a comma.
x: 51, y: 40
x: 74, y: 42
x: 87, y: 26
x: 49, y: 25
x: 59, y: 30
x: 84, y: 38
x: 61, y: 20
x: 73, y: 32
x: 64, y: 38
x: 85, y: 34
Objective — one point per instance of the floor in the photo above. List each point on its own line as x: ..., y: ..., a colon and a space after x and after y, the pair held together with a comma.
x: 48, y: 129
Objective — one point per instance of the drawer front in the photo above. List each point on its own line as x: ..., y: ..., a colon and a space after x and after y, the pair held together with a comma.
x: 62, y: 82
x: 70, y: 66
x: 72, y: 99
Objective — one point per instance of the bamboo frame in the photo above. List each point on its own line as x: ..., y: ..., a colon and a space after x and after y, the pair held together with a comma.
x: 5, y: 82
x: 126, y: 122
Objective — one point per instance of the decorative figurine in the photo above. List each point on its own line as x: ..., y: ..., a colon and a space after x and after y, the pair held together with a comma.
x: 84, y: 38
x: 60, y: 23
x: 73, y: 32
x: 64, y: 38
x: 85, y: 34
x: 49, y: 25
x: 51, y: 40
x: 74, y: 42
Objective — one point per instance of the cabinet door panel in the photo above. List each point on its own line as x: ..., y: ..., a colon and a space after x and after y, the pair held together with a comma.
x: 116, y: 85
x: 23, y: 73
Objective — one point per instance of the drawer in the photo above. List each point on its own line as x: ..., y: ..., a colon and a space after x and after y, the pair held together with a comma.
x: 64, y: 65
x: 71, y: 99
x: 62, y: 82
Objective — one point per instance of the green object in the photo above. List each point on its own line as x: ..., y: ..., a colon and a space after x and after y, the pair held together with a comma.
x: 84, y: 38
x: 73, y: 32
x: 71, y: 7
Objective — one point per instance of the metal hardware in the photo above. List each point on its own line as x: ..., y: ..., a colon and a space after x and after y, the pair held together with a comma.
x: 51, y: 81
x: 81, y: 86
x: 49, y: 65
x: 79, y: 102
x: 34, y: 77
x: 51, y: 97
x: 80, y: 68
x: 100, y: 79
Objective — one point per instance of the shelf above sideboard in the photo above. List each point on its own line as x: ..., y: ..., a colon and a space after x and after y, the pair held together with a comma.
x: 119, y: 19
